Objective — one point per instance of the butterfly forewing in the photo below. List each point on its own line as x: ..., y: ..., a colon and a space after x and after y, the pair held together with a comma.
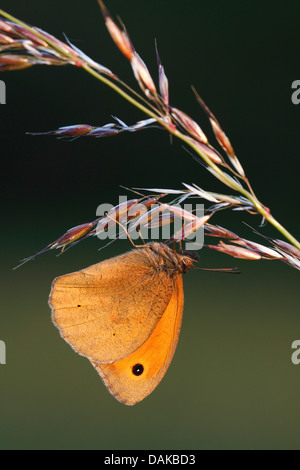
x: 107, y: 311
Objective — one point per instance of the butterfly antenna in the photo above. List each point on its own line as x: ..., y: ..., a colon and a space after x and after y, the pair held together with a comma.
x: 221, y: 270
x: 126, y: 231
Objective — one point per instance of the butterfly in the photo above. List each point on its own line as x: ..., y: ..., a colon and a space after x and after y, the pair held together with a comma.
x: 124, y: 314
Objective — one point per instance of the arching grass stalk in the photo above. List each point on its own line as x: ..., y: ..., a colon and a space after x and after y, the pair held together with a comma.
x: 22, y: 46
x: 264, y: 211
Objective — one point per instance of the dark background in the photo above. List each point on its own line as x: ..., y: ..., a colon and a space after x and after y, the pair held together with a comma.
x: 232, y: 383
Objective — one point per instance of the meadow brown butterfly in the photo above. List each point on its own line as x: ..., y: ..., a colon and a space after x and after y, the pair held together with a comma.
x: 124, y: 314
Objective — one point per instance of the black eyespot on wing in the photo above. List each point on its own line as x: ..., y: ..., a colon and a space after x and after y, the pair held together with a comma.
x: 137, y: 369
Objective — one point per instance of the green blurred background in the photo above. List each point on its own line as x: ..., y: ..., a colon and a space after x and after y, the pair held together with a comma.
x: 232, y: 384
